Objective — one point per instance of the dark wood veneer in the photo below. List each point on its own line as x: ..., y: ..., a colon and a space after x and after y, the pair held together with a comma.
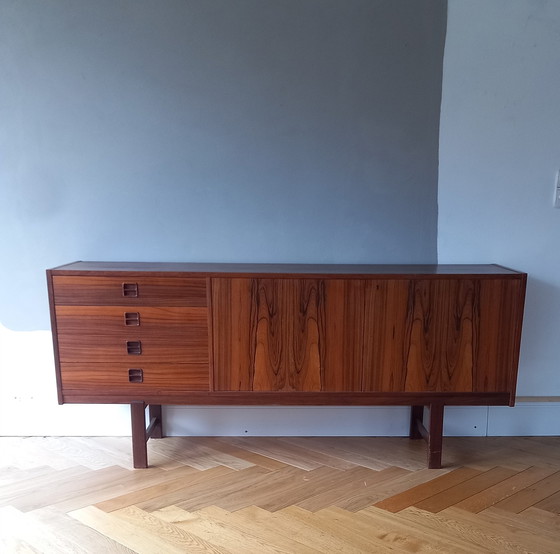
x: 113, y: 378
x: 285, y: 334
x: 112, y: 395
x: 357, y: 335
x: 117, y: 269
x: 107, y: 290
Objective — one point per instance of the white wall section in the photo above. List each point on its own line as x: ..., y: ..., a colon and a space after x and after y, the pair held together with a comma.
x: 28, y: 405
x: 499, y: 154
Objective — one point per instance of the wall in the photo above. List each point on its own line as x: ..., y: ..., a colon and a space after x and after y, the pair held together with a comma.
x: 181, y: 130
x: 499, y: 154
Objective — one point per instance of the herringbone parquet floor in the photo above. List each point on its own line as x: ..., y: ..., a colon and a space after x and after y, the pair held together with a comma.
x: 291, y: 495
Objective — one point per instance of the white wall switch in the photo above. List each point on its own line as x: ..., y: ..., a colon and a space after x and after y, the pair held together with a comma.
x: 557, y: 191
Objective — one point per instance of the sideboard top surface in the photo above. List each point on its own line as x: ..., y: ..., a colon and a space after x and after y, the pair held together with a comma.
x: 309, y: 270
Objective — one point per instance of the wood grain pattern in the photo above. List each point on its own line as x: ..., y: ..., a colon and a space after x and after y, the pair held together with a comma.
x: 110, y: 320
x: 157, y: 377
x: 109, y: 349
x: 531, y: 495
x: 460, y: 332
x: 89, y: 290
x: 500, y: 311
x: 452, y: 335
x: 343, y: 341
x: 99, y: 334
x: 459, y: 492
x: 386, y: 319
x: 462, y: 335
x: 286, y: 323
x: 233, y: 348
x: 417, y: 494
x: 490, y: 496
x: 267, y: 334
x: 440, y: 336
x: 76, y: 494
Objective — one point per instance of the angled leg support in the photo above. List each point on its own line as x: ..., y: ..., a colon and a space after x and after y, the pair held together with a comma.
x: 433, y: 435
x: 140, y: 434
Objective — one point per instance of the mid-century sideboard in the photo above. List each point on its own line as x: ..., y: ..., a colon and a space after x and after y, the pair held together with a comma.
x: 151, y: 334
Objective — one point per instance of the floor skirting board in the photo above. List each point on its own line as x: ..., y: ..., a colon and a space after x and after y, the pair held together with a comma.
x: 525, y: 419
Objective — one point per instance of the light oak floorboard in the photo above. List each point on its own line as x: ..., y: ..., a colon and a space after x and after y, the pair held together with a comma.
x: 297, y: 525
x: 459, y: 492
x: 291, y: 495
x: 412, y: 536
x: 480, y: 537
x: 532, y: 495
x: 506, y: 488
x: 416, y: 494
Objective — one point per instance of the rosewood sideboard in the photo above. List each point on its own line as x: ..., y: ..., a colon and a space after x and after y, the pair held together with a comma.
x: 151, y: 334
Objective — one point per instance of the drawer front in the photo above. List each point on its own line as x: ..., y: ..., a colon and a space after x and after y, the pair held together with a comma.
x: 133, y: 290
x: 140, y: 378
x: 74, y: 347
x: 123, y: 321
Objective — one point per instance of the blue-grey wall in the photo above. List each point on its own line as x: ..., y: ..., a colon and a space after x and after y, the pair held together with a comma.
x: 215, y: 130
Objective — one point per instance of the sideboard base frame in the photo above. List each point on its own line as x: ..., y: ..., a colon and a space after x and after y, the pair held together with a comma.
x: 141, y: 434
x: 432, y: 434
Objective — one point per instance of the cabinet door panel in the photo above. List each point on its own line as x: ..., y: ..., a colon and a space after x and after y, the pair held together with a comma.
x: 500, y: 311
x: 386, y: 323
x: 370, y: 335
x: 462, y: 335
x: 343, y: 343
x: 441, y: 333
x: 233, y: 334
x: 287, y: 328
x: 267, y: 334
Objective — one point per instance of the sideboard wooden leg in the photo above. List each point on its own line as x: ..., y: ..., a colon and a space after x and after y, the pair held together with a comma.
x: 139, y: 437
x: 416, y: 420
x: 155, y: 429
x: 435, y: 436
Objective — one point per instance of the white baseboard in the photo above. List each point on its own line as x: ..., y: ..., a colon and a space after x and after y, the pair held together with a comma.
x: 526, y: 418
x: 33, y: 419
x: 286, y: 421
x: 465, y: 421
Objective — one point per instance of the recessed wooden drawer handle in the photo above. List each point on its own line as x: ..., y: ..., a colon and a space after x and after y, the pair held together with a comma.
x: 130, y: 290
x: 131, y: 318
x: 136, y: 375
x: 134, y: 347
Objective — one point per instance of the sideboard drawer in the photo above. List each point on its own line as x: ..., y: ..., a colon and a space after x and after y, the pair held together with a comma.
x: 122, y: 321
x: 135, y: 378
x: 133, y: 349
x: 129, y: 290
